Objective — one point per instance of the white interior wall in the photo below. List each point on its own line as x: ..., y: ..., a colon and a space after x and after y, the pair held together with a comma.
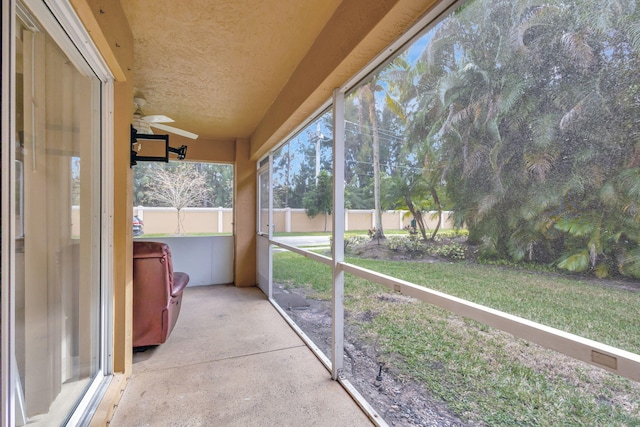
x: 208, y: 260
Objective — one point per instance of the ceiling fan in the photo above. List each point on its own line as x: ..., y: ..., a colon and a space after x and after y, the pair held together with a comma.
x: 143, y: 124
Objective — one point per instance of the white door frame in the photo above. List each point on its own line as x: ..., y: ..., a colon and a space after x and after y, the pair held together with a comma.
x: 264, y: 248
x: 63, y: 25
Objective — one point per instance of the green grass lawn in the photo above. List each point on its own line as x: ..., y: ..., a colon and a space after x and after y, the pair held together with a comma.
x: 605, y: 314
x: 328, y: 233
x: 484, y: 375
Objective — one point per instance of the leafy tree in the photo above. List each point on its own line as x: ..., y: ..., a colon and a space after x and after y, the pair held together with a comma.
x: 529, y: 107
x: 142, y: 184
x: 319, y: 199
x: 418, y: 177
x: 296, y: 163
x: 218, y: 183
x: 281, y: 176
x: 408, y: 191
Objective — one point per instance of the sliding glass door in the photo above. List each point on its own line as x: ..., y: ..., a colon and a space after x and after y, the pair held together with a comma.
x: 54, y: 222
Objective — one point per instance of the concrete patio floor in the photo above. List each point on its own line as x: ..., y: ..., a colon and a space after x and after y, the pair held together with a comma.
x: 232, y: 360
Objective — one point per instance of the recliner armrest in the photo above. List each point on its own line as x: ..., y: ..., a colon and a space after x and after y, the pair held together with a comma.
x: 180, y: 281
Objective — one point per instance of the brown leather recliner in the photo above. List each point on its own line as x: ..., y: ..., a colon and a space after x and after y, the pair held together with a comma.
x: 157, y: 293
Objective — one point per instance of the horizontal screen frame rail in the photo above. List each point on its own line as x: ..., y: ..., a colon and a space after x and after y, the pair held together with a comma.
x: 621, y: 362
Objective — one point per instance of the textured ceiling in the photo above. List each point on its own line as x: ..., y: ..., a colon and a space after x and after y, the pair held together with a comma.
x: 216, y: 66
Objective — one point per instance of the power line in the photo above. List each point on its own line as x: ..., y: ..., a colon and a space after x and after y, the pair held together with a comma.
x: 384, y: 131
x: 387, y: 165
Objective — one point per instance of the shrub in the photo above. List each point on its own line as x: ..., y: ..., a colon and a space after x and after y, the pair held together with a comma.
x: 414, y: 245
x: 354, y: 240
x: 395, y: 242
x: 451, y: 251
x: 351, y: 240
x: 452, y: 233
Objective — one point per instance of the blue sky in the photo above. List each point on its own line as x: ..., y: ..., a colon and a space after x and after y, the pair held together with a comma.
x: 418, y: 46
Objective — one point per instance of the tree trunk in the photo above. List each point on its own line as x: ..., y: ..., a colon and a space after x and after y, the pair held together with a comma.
x: 179, y: 229
x: 436, y: 200
x: 417, y: 215
x: 421, y: 225
x: 379, y: 233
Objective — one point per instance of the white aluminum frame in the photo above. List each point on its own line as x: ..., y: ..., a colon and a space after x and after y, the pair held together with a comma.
x: 613, y: 359
x: 621, y: 362
x: 337, y: 297
x: 260, y: 235
x: 7, y: 308
x: 69, y: 33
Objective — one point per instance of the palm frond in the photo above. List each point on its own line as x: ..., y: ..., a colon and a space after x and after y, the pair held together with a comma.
x: 511, y: 95
x: 578, y: 227
x: 474, y: 160
x: 630, y: 182
x: 449, y: 88
x: 570, y: 119
x: 471, y: 70
x: 395, y: 107
x: 444, y: 38
x: 539, y: 16
x: 544, y: 129
x: 630, y: 263
x: 486, y: 204
x: 522, y: 241
x: 631, y: 27
x: 577, y: 48
x: 539, y: 164
x: 608, y: 195
x: 632, y: 209
x: 576, y: 262
x: 601, y: 270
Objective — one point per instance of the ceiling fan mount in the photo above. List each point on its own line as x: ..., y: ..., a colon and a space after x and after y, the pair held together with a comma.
x: 143, y: 124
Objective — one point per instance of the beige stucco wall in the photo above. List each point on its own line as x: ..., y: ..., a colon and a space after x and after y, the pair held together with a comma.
x: 227, y: 221
x: 245, y: 211
x: 359, y: 220
x: 206, y: 150
x: 220, y: 220
x: 192, y: 220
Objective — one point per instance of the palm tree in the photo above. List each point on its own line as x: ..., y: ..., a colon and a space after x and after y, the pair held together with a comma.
x: 366, y: 97
x: 401, y: 94
x: 529, y: 109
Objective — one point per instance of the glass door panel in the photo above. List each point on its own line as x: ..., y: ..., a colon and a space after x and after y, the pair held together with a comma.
x: 57, y: 222
x: 263, y: 196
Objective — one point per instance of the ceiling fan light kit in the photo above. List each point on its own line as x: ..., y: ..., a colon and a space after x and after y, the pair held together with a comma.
x: 141, y: 130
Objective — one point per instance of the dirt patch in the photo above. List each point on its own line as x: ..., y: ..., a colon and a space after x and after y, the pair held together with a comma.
x: 376, y: 249
x: 398, y: 401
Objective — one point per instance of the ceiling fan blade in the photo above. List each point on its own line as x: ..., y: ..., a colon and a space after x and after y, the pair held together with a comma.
x: 141, y: 126
x: 177, y: 131
x: 157, y: 118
